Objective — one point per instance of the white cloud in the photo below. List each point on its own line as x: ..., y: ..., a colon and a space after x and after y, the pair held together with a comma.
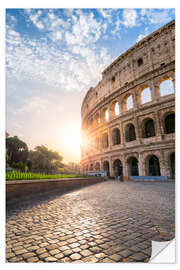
x: 156, y: 16
x: 143, y: 35
x: 76, y: 68
x: 85, y: 30
x: 129, y: 17
x: 106, y: 13
x: 35, y: 18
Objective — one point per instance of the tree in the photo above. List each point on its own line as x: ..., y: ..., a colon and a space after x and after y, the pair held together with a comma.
x: 17, y: 150
x: 45, y: 160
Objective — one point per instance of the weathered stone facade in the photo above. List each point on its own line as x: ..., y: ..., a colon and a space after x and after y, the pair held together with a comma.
x: 123, y: 132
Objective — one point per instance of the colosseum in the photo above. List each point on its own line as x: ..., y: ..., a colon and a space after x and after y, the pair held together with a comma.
x: 128, y: 119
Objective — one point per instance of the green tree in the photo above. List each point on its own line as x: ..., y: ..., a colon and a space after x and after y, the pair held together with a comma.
x: 16, y: 150
x: 45, y: 160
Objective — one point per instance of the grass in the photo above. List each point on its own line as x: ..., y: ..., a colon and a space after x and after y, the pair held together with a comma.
x: 15, y: 175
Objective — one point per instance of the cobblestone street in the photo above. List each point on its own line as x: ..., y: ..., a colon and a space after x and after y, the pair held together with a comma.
x: 106, y: 222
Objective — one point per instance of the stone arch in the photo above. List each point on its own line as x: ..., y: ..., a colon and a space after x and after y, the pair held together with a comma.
x: 91, y: 167
x: 106, y: 167
x: 133, y: 168
x: 115, y: 109
x: 105, y: 115
x: 97, y: 166
x: 166, y: 86
x: 128, y: 102
x: 144, y: 95
x: 116, y: 139
x: 169, y: 123
x: 153, y: 165
x: 148, y: 129
x: 130, y: 133
x: 117, y: 167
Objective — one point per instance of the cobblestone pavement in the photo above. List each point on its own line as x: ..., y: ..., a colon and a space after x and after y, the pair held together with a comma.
x: 106, y: 222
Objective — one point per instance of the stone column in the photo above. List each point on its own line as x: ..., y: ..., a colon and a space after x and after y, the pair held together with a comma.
x: 109, y: 138
x: 138, y: 136
x: 159, y: 125
x: 122, y: 134
x: 135, y: 100
x: 111, y: 167
x: 155, y: 92
x: 162, y: 164
x: 125, y: 168
x: 141, y: 165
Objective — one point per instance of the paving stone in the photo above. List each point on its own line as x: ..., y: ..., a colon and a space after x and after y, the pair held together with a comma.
x: 100, y: 255
x: 20, y: 251
x: 17, y: 248
x: 40, y: 250
x: 54, y: 251
x: 139, y: 257
x: 95, y: 249
x: 63, y: 248
x: 86, y: 252
x: 50, y: 247
x: 59, y: 255
x: 76, y: 250
x: 28, y: 255
x: 50, y: 259
x: 68, y: 252
x: 116, y: 257
x: 9, y: 255
x: 90, y: 259
x: 106, y: 260
x: 123, y: 225
x: 74, y: 245
x: 44, y: 255
x: 71, y: 240
x: 126, y: 253
x: 33, y: 259
x: 84, y: 246
x: 75, y: 256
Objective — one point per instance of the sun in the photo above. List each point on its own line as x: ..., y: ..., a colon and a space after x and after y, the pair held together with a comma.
x: 72, y: 140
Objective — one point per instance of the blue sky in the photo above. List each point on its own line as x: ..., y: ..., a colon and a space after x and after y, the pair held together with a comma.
x: 53, y: 56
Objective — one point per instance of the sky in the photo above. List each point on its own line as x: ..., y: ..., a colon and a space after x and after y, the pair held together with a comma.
x: 53, y: 56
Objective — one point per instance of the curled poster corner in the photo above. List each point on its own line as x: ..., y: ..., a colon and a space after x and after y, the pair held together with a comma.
x: 163, y: 252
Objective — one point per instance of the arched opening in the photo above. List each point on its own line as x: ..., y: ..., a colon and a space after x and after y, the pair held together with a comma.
x: 91, y: 167
x: 166, y: 88
x: 106, y: 167
x: 148, y: 129
x: 106, y: 114
x: 105, y: 142
x: 153, y: 166
x: 97, y: 166
x: 116, y: 136
x: 130, y: 133
x: 86, y: 168
x: 116, y: 108
x: 117, y: 167
x: 133, y: 166
x: 170, y: 123
x: 172, y: 164
x: 146, y: 95
x: 140, y: 62
x: 128, y: 103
